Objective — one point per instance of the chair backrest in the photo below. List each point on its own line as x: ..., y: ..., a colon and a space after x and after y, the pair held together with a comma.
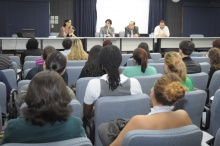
x: 74, y: 63
x: 0, y: 119
x: 81, y: 85
x: 31, y: 58
x: 159, y: 67
x: 121, y: 69
x: 125, y: 58
x: 29, y: 65
x: 217, y: 138
x: 214, y: 83
x: 200, y: 59
x: 193, y: 103
x: 97, y: 34
x: 147, y: 82
x: 26, y: 72
x: 73, y: 74
x: 215, y: 114
x: 155, y: 57
x: 183, y: 136
x: 199, y: 80
x: 121, y: 33
x: 81, y: 141
x: 22, y: 83
x: 196, y: 35
x: 16, y: 59
x: 15, y: 66
x: 54, y: 34
x: 112, y: 107
x: 11, y: 77
x: 205, y: 67
x: 161, y: 60
x: 130, y: 61
x: 198, y: 54
x: 3, y: 98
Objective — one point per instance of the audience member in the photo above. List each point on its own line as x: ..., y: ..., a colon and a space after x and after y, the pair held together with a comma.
x: 131, y: 30
x: 141, y: 68
x: 214, y: 56
x: 67, y: 43
x: 145, y: 46
x: 67, y: 30
x: 46, y: 52
x: 92, y: 67
x: 4, y: 80
x: 107, y: 29
x: 166, y: 92
x: 77, y: 52
x: 47, y: 115
x: 32, y: 49
x: 173, y: 64
x: 216, y: 43
x: 186, y: 48
x: 111, y: 83
x: 106, y: 42
x: 5, y: 62
x: 161, y: 30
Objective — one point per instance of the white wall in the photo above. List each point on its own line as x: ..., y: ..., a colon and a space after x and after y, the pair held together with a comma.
x: 121, y: 12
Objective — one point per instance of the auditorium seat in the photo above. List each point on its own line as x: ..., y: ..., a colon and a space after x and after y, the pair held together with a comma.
x: 3, y: 98
x: 31, y: 58
x: 121, y: 34
x: 73, y: 74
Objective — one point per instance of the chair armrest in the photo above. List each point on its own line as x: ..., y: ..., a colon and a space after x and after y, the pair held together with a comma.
x: 89, y: 126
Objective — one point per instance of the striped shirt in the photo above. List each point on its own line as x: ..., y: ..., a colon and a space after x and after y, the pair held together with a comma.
x: 5, y: 62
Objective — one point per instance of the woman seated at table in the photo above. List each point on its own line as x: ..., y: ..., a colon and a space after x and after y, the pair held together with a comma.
x: 141, y: 67
x: 67, y: 30
x: 165, y: 93
x: 47, y: 116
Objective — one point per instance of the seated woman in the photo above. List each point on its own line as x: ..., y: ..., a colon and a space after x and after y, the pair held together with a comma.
x: 141, y: 68
x: 92, y: 67
x: 67, y: 30
x: 214, y: 56
x: 145, y: 46
x: 173, y: 64
x: 107, y: 29
x: 76, y: 51
x: 111, y: 83
x: 47, y: 116
x: 166, y: 92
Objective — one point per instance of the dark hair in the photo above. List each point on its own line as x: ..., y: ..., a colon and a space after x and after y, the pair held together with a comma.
x: 109, y: 20
x: 32, y: 44
x: 67, y: 43
x: 140, y: 55
x: 216, y: 43
x: 49, y: 103
x: 133, y: 22
x: 92, y: 66
x: 214, y: 56
x: 47, y: 51
x: 168, y: 89
x: 162, y: 21
x: 56, y: 61
x: 187, y: 47
x: 110, y: 59
x: 66, y: 20
x: 106, y: 42
x: 145, y: 46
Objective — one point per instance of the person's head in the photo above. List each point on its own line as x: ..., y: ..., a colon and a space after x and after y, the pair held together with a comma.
x: 56, y: 61
x: 162, y: 24
x: 131, y: 25
x: 216, y: 43
x: 140, y: 57
x: 186, y: 47
x: 49, y: 103
x: 32, y: 44
x: 67, y: 23
x: 145, y: 46
x: 77, y: 51
x: 173, y: 64
x: 110, y: 59
x: 47, y: 51
x: 214, y: 56
x: 108, y: 23
x: 67, y: 43
x: 106, y: 42
x: 167, y: 90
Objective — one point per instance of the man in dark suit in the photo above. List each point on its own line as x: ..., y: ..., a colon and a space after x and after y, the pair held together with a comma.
x: 185, y: 49
x: 131, y: 30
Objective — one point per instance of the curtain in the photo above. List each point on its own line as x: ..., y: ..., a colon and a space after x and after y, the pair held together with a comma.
x: 156, y: 13
x: 85, y: 17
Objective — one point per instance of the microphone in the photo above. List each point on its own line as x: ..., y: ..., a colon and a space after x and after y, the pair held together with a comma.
x: 73, y: 27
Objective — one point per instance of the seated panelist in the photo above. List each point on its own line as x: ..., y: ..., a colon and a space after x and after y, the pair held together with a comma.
x: 107, y: 29
x: 131, y: 30
x: 67, y: 30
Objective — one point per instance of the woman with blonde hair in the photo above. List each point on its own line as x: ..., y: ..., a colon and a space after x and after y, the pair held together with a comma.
x: 173, y: 64
x: 76, y: 51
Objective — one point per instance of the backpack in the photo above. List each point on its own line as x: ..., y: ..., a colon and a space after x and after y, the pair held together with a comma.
x: 12, y: 108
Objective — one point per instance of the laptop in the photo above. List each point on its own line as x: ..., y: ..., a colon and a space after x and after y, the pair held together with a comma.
x: 28, y: 33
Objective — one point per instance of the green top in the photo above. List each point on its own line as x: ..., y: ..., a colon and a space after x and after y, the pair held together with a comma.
x: 21, y: 130
x: 188, y: 83
x: 136, y: 71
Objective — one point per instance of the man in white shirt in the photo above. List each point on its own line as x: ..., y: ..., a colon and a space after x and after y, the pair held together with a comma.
x: 161, y: 30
